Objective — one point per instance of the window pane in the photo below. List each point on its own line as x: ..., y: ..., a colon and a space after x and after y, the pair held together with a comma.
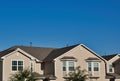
x: 64, y: 65
x: 31, y: 66
x: 17, y: 65
x: 14, y: 68
x: 96, y: 69
x: 20, y: 62
x: 96, y: 66
x: 89, y: 66
x: 110, y: 68
x: 64, y: 68
x: 14, y: 62
x: 20, y: 68
x: 71, y: 66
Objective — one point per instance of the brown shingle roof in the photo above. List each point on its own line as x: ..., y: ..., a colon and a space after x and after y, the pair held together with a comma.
x: 41, y: 53
x: 55, y: 53
x: 38, y: 52
x: 108, y: 57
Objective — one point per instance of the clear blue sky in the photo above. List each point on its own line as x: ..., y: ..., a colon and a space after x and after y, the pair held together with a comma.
x: 56, y: 23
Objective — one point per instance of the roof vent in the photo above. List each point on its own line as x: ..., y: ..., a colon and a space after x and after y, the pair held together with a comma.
x: 30, y: 44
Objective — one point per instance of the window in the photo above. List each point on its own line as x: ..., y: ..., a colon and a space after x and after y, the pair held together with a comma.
x: 71, y: 66
x: 32, y: 66
x: 17, y: 65
x: 93, y: 66
x: 89, y: 66
x: 68, y: 66
x: 14, y: 65
x: 96, y: 66
x: 64, y: 65
x: 110, y: 68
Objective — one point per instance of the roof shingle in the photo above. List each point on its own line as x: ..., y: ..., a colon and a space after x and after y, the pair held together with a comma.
x: 37, y: 52
x: 58, y: 52
x: 108, y: 57
x: 41, y: 53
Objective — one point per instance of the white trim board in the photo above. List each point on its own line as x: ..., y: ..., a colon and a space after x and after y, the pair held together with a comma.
x: 23, y: 52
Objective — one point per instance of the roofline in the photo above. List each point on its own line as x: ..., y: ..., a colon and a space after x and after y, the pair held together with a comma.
x: 93, y: 52
x: 67, y: 51
x: 114, y: 56
x: 88, y: 50
x: 22, y: 51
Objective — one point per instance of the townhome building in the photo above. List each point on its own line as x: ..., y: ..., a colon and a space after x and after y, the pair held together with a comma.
x: 113, y: 66
x: 55, y: 63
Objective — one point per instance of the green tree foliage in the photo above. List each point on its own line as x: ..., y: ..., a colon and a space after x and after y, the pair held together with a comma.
x: 25, y: 75
x: 78, y: 75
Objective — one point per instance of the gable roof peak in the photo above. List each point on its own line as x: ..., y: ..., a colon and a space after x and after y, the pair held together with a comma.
x: 70, y: 46
x: 37, y: 52
x: 108, y: 57
x: 56, y: 53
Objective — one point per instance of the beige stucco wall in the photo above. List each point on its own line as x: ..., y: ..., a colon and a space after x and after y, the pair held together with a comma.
x: 17, y: 56
x: 38, y: 68
x: 80, y: 53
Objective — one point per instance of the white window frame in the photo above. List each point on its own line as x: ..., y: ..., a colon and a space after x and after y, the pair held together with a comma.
x: 17, y: 64
x: 110, y: 68
x: 88, y: 66
x: 32, y: 65
x: 92, y: 67
x: 97, y: 66
x: 63, y: 65
x: 67, y: 65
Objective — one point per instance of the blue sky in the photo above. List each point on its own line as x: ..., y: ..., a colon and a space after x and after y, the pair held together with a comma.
x: 56, y: 23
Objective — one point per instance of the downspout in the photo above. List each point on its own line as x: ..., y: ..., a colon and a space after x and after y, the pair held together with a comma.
x: 54, y: 67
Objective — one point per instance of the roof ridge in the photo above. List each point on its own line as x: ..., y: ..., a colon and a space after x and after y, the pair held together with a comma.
x: 70, y: 46
x: 109, y: 55
x: 33, y: 47
x: 55, y: 52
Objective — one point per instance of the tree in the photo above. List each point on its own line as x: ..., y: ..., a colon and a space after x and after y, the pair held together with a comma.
x: 25, y: 75
x: 78, y: 75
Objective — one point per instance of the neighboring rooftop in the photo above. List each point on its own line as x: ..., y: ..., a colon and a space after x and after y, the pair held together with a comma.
x: 108, y: 57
